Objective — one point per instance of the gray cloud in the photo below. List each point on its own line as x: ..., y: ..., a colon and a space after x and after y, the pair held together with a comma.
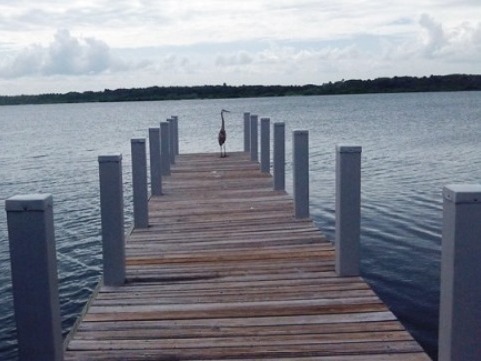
x: 65, y: 55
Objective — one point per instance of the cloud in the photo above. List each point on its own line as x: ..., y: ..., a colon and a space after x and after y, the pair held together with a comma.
x: 435, y: 38
x: 65, y: 55
x: 461, y: 42
x: 287, y: 63
x: 239, y: 58
x: 440, y: 43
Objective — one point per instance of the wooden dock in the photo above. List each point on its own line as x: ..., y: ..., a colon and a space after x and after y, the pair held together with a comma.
x: 224, y: 272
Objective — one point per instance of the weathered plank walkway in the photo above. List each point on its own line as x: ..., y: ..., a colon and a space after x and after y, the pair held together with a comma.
x: 226, y: 273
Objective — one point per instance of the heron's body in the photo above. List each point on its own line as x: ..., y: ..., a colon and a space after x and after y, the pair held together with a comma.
x: 222, y: 135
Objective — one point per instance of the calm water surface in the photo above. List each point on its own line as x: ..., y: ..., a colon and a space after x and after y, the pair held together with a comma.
x: 413, y: 144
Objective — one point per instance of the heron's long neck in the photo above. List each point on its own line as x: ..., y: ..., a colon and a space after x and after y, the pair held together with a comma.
x: 223, y: 126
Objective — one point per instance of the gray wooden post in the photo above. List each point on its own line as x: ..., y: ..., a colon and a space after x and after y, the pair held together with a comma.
x: 348, y: 210
x: 247, y: 131
x: 170, y: 132
x: 300, y: 156
x: 265, y: 145
x: 254, y: 139
x: 112, y: 219
x: 155, y: 163
x: 34, y: 277
x: 171, y: 136
x: 166, y: 146
x: 139, y: 183
x: 279, y: 157
x: 460, y: 311
x: 175, y: 119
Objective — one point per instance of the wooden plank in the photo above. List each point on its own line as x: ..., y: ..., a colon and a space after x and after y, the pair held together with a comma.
x: 219, y: 324
x: 156, y: 356
x: 125, y: 351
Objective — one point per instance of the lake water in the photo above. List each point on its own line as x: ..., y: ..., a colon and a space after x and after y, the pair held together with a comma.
x: 413, y: 144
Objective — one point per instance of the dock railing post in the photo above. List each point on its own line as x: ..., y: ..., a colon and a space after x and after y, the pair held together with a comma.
x: 139, y: 183
x: 112, y: 219
x: 265, y: 145
x: 254, y: 138
x: 171, y: 133
x: 155, y: 162
x: 460, y: 311
x: 247, y: 131
x: 279, y: 157
x: 166, y: 146
x: 34, y: 277
x: 175, y: 122
x: 171, y: 128
x: 348, y: 210
x: 300, y: 171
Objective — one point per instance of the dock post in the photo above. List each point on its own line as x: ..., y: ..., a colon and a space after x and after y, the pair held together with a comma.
x: 139, y: 183
x: 265, y: 145
x: 171, y: 133
x: 247, y: 131
x: 166, y: 142
x: 175, y: 121
x: 155, y: 162
x: 460, y: 314
x: 279, y: 157
x: 112, y: 219
x: 254, y: 138
x: 348, y: 210
x: 34, y: 277
x: 300, y: 156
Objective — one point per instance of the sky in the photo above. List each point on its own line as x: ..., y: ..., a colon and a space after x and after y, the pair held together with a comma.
x: 57, y: 46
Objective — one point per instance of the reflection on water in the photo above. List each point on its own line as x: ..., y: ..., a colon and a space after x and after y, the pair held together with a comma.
x: 413, y: 144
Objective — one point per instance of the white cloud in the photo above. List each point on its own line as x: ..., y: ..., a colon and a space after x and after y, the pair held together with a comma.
x: 442, y: 45
x: 459, y: 43
x: 238, y: 58
x: 66, y: 55
x: 435, y: 38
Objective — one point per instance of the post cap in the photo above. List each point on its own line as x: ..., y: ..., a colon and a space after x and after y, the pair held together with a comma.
x: 110, y: 158
x: 265, y: 120
x: 462, y: 193
x: 254, y: 117
x: 279, y: 124
x: 154, y: 130
x: 300, y: 132
x: 29, y: 202
x: 345, y: 148
x: 137, y: 140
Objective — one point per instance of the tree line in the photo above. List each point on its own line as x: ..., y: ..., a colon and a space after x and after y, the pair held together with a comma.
x: 454, y: 82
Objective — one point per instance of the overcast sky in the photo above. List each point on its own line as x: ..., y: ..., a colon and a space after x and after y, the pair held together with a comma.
x: 60, y: 46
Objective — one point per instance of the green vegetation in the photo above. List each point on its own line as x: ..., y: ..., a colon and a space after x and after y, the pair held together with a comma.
x: 456, y: 82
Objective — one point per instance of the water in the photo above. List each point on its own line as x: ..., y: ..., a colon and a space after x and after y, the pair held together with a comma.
x: 413, y: 144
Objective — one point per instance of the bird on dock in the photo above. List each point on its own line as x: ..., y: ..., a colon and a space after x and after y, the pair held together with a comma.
x: 222, y: 135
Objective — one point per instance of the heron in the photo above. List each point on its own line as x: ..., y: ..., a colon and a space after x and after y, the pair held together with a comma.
x: 222, y: 135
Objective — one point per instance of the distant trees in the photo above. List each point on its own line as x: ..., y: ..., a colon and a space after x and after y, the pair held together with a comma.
x: 454, y: 82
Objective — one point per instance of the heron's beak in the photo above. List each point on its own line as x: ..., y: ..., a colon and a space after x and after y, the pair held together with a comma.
x: 225, y: 111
